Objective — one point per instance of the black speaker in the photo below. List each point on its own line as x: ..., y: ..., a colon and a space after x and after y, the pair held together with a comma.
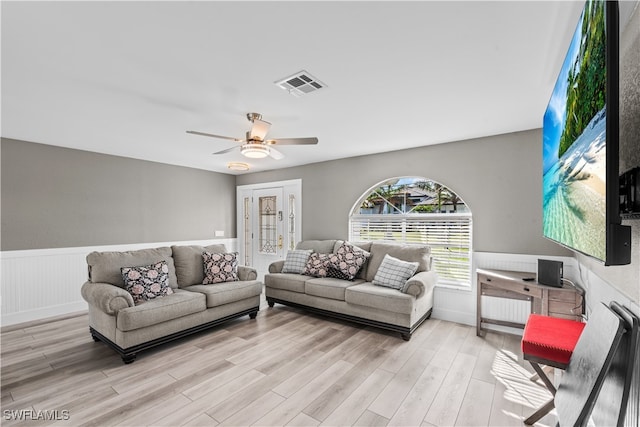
x: 550, y: 272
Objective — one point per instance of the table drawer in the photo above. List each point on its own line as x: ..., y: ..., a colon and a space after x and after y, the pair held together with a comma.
x: 510, y: 285
x: 558, y: 295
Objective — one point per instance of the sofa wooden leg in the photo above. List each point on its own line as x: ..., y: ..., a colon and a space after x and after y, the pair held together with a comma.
x: 95, y: 338
x: 405, y: 336
x: 253, y: 315
x: 128, y: 358
x: 271, y: 303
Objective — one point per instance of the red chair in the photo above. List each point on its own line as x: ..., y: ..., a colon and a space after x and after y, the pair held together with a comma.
x: 549, y: 341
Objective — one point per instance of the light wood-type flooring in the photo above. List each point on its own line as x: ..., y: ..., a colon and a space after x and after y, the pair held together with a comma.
x: 286, y: 367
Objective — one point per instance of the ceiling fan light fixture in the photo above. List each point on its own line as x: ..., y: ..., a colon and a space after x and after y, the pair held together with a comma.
x: 254, y: 151
x: 238, y: 166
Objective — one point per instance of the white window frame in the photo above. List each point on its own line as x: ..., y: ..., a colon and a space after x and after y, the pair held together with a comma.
x: 449, y: 235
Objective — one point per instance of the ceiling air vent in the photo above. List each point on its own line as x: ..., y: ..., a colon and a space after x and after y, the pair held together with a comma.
x: 301, y: 83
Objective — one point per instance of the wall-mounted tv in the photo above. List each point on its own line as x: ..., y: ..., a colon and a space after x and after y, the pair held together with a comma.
x: 581, y: 207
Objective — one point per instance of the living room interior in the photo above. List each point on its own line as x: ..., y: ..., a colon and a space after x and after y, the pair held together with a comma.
x: 98, y: 99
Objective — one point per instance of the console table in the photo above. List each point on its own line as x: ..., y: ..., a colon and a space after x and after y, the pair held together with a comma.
x: 566, y: 302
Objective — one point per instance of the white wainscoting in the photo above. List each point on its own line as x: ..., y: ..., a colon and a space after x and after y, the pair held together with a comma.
x: 41, y: 283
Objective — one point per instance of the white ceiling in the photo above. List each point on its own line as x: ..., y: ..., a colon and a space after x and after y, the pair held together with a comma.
x: 129, y: 78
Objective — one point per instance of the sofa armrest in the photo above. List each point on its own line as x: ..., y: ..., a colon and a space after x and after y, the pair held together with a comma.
x: 247, y: 273
x: 106, y: 297
x: 276, y: 266
x: 421, y: 283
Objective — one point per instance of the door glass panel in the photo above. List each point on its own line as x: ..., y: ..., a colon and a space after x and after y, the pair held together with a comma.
x: 292, y: 222
x: 268, y: 230
x: 246, y: 219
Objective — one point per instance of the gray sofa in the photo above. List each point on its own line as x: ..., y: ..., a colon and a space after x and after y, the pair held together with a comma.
x: 359, y: 300
x: 128, y: 328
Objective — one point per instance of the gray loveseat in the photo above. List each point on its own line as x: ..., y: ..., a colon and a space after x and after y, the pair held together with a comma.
x: 191, y: 307
x: 359, y: 299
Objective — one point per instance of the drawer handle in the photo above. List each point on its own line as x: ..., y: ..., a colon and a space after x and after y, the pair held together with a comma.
x: 488, y: 279
x: 526, y: 289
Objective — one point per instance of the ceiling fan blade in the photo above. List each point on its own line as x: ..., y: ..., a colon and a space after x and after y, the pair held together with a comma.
x: 226, y: 151
x: 259, y: 129
x: 293, y: 141
x: 275, y: 154
x: 214, y: 136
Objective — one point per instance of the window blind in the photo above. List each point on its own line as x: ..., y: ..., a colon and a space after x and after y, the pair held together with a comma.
x: 448, y: 235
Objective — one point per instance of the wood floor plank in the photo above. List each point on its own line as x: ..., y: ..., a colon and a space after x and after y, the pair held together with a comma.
x: 328, y: 401
x: 476, y: 405
x: 505, y: 411
x: 371, y: 419
x: 303, y: 420
x: 415, y: 406
x: 446, y: 405
x: 395, y: 392
x: 257, y: 410
x: 161, y: 409
x: 357, y: 403
x: 289, y: 409
x: 286, y: 367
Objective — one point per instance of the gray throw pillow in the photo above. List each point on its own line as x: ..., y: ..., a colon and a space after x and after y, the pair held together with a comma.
x: 394, y: 273
x: 296, y: 261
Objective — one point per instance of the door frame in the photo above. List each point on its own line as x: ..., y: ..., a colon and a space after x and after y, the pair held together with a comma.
x: 292, y: 191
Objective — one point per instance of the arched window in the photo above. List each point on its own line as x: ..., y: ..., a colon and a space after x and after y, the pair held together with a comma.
x: 418, y: 210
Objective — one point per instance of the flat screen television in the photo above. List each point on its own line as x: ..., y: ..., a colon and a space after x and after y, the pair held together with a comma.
x: 580, y: 184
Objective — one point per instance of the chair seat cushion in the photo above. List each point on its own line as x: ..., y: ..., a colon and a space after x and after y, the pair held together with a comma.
x: 551, y: 338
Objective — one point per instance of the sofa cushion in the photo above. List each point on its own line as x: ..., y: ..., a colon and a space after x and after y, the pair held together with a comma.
x: 180, y: 303
x: 220, y: 268
x: 378, y: 297
x: 327, y: 287
x: 104, y: 267
x: 225, y: 293
x: 410, y: 253
x: 286, y: 281
x: 296, y: 261
x: 189, y: 264
x: 320, y: 246
x: 147, y: 282
x: 318, y: 264
x: 394, y: 273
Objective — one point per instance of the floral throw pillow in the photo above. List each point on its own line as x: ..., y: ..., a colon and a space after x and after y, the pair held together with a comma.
x: 347, y: 261
x: 147, y: 282
x: 318, y: 265
x: 220, y: 268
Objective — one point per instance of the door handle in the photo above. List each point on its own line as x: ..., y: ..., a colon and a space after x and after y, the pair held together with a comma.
x: 280, y: 241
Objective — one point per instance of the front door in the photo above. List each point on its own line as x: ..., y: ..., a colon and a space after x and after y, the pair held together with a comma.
x: 268, y: 227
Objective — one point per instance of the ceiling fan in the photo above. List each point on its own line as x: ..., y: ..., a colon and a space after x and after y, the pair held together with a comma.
x: 255, y: 145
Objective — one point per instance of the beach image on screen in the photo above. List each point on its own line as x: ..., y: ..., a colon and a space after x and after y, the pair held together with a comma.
x: 574, y: 142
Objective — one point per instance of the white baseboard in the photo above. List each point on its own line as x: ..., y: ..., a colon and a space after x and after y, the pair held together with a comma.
x: 43, y: 313
x: 454, y: 316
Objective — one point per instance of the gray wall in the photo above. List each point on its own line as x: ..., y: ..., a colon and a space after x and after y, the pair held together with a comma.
x: 58, y: 197
x: 498, y: 177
